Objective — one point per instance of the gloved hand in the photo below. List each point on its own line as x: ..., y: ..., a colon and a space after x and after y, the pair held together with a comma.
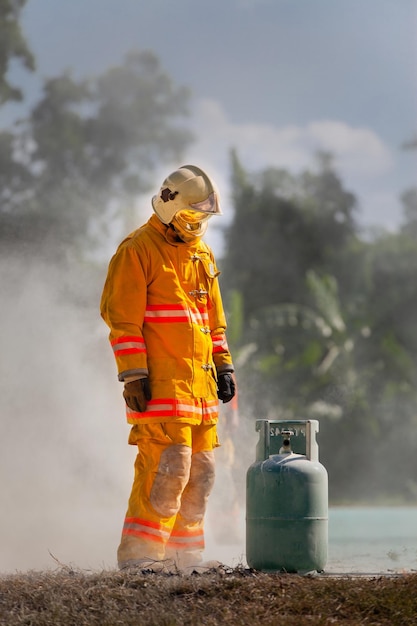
x: 226, y: 387
x: 137, y: 393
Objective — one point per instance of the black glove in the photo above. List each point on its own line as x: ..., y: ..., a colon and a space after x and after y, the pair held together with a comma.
x: 226, y: 387
x: 137, y: 393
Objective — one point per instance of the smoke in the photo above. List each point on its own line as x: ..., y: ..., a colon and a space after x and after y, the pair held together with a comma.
x: 66, y: 467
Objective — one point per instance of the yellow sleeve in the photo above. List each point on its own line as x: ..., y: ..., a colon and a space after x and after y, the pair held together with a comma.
x: 217, y: 319
x: 123, y: 305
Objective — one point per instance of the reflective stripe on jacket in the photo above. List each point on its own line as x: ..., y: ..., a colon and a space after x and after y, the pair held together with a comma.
x: 162, y: 303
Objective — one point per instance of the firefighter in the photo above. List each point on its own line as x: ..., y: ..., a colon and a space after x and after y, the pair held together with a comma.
x: 162, y: 303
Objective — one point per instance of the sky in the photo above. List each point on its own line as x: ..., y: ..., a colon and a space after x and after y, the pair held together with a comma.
x: 275, y: 79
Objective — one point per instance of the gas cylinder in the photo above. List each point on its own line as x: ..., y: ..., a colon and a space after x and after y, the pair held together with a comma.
x: 287, y: 499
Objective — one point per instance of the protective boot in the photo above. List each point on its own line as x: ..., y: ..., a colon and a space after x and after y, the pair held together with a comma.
x: 133, y: 552
x: 202, y: 567
x: 167, y: 566
x: 191, y: 561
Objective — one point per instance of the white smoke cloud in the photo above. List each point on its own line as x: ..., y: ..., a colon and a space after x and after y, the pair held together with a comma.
x: 64, y: 464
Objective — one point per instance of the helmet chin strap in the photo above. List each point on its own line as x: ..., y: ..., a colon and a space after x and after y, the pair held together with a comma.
x: 189, y: 232
x: 184, y: 237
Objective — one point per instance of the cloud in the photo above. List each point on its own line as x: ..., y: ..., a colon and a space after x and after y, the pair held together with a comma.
x: 361, y: 157
x: 358, y: 151
x: 365, y: 163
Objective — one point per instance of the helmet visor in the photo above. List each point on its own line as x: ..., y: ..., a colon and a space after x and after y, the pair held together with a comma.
x: 209, y: 205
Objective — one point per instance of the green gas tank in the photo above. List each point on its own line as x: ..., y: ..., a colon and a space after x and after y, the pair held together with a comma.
x: 287, y: 499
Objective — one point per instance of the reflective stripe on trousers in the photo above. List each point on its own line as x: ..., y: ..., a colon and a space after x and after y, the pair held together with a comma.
x: 174, y: 475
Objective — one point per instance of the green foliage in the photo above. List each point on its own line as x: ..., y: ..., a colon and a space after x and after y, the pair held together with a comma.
x: 12, y: 47
x: 235, y: 315
x: 89, y: 147
x: 328, y: 323
x: 409, y: 201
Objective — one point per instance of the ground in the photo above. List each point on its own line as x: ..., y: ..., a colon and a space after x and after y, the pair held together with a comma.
x: 239, y: 596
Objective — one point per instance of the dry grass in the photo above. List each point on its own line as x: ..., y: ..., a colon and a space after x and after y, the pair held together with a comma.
x: 233, y: 596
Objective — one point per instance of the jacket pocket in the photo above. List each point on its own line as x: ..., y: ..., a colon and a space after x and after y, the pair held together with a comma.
x: 210, y: 268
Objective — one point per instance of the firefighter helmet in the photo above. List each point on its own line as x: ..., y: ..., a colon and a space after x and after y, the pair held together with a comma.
x: 187, y: 199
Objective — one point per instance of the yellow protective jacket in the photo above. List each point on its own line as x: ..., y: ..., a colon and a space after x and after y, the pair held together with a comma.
x: 162, y: 303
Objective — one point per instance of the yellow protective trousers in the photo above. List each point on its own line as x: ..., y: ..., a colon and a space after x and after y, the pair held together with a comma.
x: 174, y: 475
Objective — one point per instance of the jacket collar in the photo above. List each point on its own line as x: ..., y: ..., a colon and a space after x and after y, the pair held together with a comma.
x: 170, y: 235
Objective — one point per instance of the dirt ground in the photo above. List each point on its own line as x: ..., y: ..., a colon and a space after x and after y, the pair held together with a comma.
x: 229, y: 596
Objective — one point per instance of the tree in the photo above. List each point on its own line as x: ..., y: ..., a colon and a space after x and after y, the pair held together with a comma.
x: 409, y: 200
x: 284, y: 225
x: 90, y: 147
x: 337, y: 341
x: 12, y: 47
